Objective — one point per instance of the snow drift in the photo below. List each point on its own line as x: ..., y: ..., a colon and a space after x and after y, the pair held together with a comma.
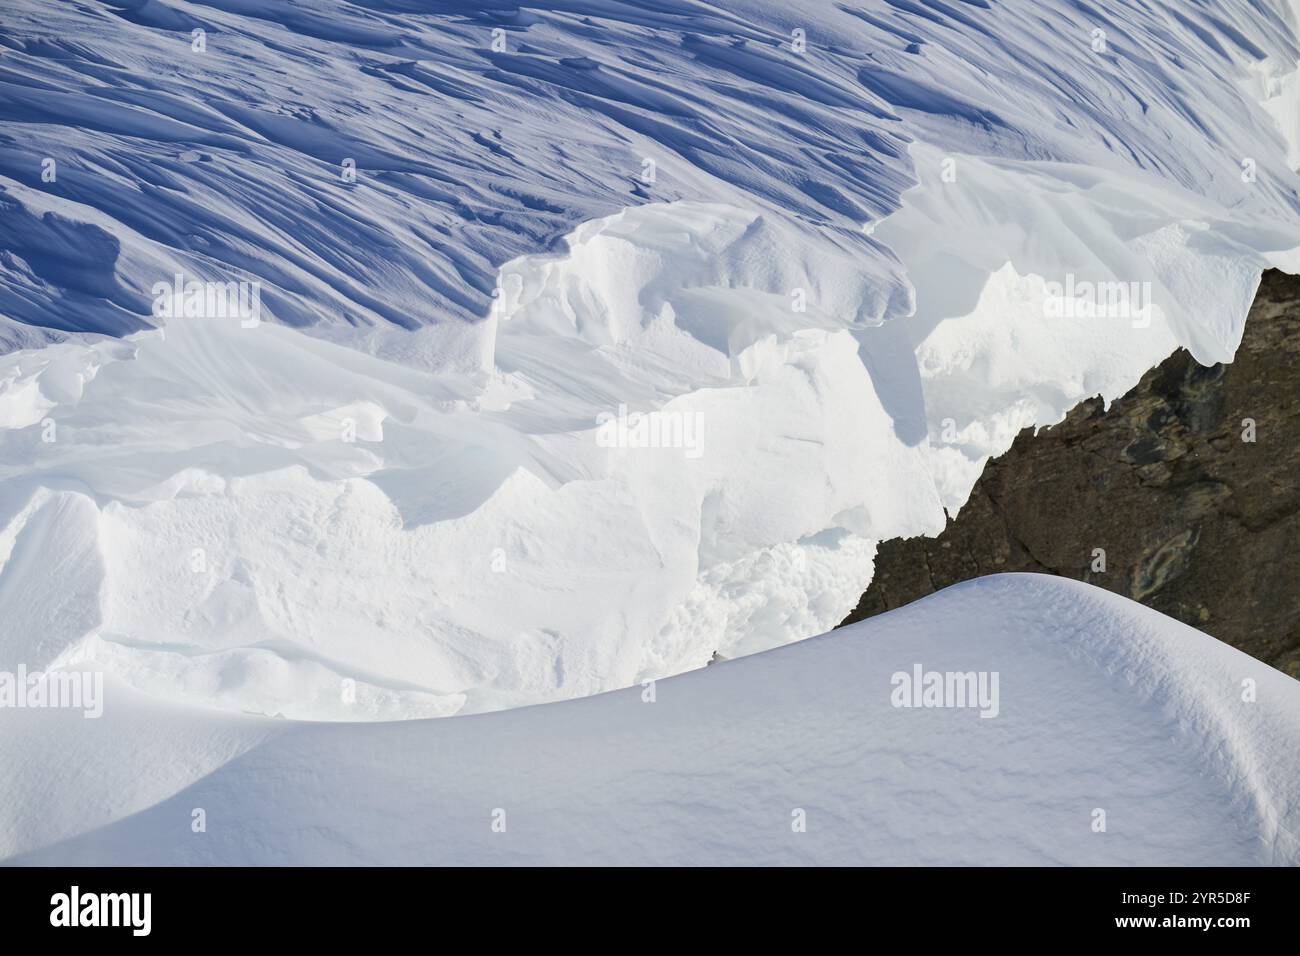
x: 1121, y: 737
x: 632, y: 334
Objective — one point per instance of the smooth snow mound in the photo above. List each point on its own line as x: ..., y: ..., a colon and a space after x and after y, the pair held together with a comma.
x: 1186, y: 744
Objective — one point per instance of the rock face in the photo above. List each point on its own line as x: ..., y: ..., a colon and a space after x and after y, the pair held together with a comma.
x: 1195, y: 519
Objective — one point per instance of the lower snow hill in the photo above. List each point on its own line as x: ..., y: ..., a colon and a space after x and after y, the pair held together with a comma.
x: 1013, y: 719
x: 1187, y: 483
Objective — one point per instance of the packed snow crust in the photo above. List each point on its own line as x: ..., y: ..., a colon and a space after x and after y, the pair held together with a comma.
x: 1103, y: 705
x: 831, y: 298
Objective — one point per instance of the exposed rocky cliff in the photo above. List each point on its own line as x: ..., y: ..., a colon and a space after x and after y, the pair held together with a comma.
x: 1190, y: 484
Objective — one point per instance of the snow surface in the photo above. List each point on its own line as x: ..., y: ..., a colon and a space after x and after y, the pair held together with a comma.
x: 1103, y: 705
x: 199, y: 527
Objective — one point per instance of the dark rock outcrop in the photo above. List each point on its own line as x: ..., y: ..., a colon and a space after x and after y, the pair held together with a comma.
x: 1195, y: 520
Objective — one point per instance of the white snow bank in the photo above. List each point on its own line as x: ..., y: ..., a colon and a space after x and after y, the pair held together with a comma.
x: 274, y: 514
x: 1107, y: 714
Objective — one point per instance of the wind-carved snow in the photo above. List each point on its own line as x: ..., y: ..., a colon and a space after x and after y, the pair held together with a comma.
x: 483, y: 548
x: 420, y: 478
